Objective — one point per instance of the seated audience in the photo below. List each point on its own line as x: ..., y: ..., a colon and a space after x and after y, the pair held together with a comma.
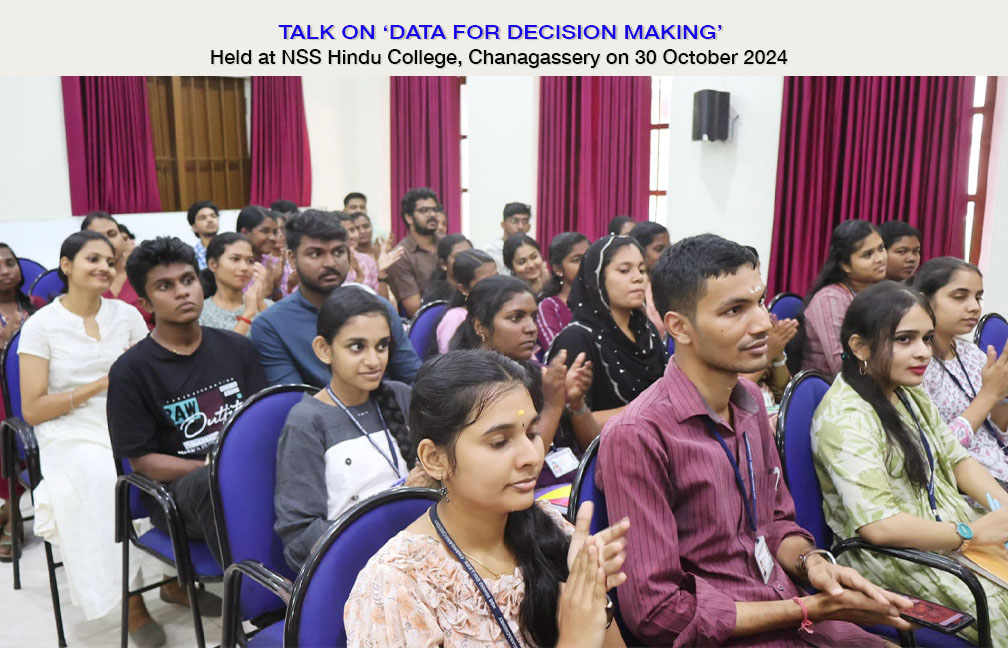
x: 523, y: 259
x: 890, y: 470
x: 349, y: 441
x: 442, y: 220
x: 234, y: 284
x: 364, y: 234
x: 469, y: 268
x: 171, y: 394
x: 565, y: 252
x: 442, y: 283
x: 129, y: 239
x: 609, y: 326
x: 15, y: 308
x: 356, y: 203
x: 474, y: 416
x: 260, y: 226
x: 204, y: 219
x: 654, y: 238
x: 856, y: 260
x: 621, y: 226
x: 712, y: 563
x: 409, y: 276
x: 364, y: 268
x: 903, y: 249
x: 65, y: 353
x: 968, y: 385
x: 517, y: 219
x: 501, y: 317
x: 120, y: 287
x: 283, y: 333
x: 288, y: 278
x: 284, y: 207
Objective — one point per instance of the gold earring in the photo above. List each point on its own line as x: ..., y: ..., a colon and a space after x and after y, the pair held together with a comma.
x: 864, y: 367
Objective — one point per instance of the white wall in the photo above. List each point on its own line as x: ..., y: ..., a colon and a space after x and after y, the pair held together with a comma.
x: 34, y: 180
x: 503, y: 143
x: 349, y: 128
x: 725, y: 187
x: 993, y: 260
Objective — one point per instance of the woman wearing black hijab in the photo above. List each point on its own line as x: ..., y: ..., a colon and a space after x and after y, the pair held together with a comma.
x: 609, y: 325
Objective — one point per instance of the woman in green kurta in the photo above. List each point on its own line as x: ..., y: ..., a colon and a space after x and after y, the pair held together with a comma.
x: 874, y: 468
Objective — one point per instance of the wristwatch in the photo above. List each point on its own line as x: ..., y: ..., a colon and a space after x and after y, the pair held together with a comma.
x: 965, y: 535
x: 609, y: 612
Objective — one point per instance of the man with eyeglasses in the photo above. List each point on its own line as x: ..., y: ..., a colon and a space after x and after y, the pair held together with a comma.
x: 517, y: 220
x: 410, y: 275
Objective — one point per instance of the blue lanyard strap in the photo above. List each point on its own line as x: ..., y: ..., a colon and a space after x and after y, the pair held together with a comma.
x: 927, y: 450
x: 480, y: 585
x: 986, y: 423
x: 748, y: 500
x: 392, y: 458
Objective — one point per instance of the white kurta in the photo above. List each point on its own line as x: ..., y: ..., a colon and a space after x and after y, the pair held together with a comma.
x: 75, y: 503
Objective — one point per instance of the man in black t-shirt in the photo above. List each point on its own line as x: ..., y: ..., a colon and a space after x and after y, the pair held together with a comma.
x: 171, y: 394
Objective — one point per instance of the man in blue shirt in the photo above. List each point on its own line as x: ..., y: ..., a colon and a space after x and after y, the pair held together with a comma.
x: 283, y: 333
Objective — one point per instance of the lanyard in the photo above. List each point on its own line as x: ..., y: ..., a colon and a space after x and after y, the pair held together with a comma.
x: 748, y: 500
x: 987, y: 424
x: 480, y: 585
x: 927, y: 450
x: 394, y: 460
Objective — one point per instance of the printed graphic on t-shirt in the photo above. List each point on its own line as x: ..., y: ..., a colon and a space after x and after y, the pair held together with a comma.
x: 201, y: 415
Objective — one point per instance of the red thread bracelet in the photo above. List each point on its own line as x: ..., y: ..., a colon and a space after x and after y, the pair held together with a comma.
x: 244, y: 319
x: 806, y: 625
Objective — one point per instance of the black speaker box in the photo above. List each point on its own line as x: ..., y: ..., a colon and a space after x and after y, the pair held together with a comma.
x: 710, y: 115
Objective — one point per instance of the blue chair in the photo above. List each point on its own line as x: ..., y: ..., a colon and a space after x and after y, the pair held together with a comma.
x: 794, y: 442
x: 47, y: 285
x: 786, y: 305
x: 19, y: 445
x: 422, y: 330
x: 670, y: 343
x: 992, y: 331
x: 30, y: 271
x: 583, y: 489
x: 242, y: 485
x: 192, y: 561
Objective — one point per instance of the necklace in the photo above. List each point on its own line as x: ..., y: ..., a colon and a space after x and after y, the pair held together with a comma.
x: 481, y: 564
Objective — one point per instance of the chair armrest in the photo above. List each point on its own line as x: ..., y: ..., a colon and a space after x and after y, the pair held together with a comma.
x: 164, y: 499
x: 16, y: 430
x: 935, y: 561
x: 233, y: 575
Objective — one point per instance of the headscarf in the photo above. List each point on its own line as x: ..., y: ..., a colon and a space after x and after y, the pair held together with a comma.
x: 630, y: 366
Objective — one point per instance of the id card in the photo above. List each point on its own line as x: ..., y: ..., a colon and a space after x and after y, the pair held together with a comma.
x: 764, y: 560
x: 561, y: 461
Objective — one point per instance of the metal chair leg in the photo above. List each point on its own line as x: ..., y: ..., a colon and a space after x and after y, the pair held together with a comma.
x: 15, y: 522
x: 124, y: 630
x: 197, y: 618
x: 54, y: 590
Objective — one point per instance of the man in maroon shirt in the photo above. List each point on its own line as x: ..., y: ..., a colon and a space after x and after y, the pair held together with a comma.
x: 715, y: 556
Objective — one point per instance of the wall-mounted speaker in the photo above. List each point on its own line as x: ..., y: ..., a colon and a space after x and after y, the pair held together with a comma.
x: 711, y: 115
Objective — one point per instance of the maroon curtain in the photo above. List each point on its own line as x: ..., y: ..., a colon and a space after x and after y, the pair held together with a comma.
x: 109, y: 148
x: 281, y: 157
x: 875, y: 148
x: 593, y: 153
x: 426, y: 144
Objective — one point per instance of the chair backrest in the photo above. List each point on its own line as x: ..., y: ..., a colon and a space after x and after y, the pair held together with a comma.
x: 992, y: 331
x: 421, y: 332
x: 786, y: 305
x: 794, y: 442
x: 47, y: 285
x: 242, y: 485
x: 315, y: 613
x: 12, y: 377
x: 584, y: 490
x: 670, y: 343
x: 30, y: 271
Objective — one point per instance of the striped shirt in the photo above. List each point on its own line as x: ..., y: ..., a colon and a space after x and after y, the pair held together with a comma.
x: 823, y: 317
x: 690, y: 545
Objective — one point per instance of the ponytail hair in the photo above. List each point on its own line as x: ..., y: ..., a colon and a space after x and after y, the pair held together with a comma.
x: 874, y: 316
x: 451, y: 392
x: 559, y: 248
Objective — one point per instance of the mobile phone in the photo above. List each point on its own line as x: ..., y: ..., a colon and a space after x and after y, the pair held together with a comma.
x: 936, y: 617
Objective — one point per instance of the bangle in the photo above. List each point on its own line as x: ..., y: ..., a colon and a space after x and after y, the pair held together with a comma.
x: 383, y: 279
x: 609, y: 611
x: 584, y: 409
x: 781, y: 362
x: 242, y: 318
x: 802, y: 559
x: 71, y: 401
x: 806, y: 624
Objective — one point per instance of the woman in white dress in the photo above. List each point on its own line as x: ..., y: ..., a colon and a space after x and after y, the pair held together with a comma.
x: 65, y: 355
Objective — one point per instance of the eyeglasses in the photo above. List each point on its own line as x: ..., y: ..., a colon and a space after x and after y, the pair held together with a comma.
x: 425, y: 210
x: 519, y: 221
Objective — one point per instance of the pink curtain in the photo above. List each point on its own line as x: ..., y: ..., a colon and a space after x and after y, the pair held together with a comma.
x: 426, y: 144
x: 875, y: 148
x: 593, y: 153
x: 109, y: 148
x: 281, y: 157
